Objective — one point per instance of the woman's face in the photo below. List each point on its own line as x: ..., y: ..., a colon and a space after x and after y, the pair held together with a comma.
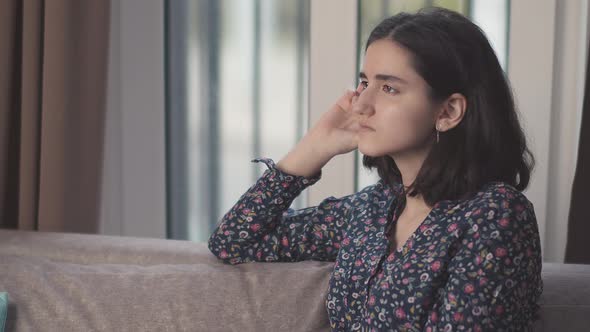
x: 393, y: 101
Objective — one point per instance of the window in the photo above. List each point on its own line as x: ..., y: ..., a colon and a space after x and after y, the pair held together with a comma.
x: 237, y: 81
x: 236, y: 90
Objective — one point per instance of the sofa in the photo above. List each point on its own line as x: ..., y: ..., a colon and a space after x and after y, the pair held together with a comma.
x: 85, y: 282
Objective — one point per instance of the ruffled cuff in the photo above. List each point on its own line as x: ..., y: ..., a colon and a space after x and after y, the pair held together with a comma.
x: 288, y: 181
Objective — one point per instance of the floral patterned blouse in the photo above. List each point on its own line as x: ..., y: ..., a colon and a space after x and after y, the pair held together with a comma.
x: 472, y: 265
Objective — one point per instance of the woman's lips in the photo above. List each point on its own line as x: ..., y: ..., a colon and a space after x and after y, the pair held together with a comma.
x: 365, y: 127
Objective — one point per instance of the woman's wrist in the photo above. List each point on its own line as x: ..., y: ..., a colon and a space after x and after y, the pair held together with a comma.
x: 306, y: 159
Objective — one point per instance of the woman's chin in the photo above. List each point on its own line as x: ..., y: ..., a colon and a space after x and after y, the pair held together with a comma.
x: 367, y: 151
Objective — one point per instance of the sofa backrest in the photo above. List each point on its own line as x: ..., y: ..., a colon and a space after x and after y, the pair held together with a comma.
x: 81, y: 282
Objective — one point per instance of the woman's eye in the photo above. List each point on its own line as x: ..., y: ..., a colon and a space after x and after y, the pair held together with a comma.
x: 389, y: 89
x: 364, y: 84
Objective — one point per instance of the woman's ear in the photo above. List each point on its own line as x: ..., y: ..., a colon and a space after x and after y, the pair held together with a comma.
x: 451, y: 113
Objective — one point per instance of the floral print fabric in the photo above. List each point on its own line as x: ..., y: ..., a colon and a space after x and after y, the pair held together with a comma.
x: 472, y: 265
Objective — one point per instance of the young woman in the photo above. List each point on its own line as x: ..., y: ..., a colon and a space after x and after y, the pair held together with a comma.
x: 445, y: 240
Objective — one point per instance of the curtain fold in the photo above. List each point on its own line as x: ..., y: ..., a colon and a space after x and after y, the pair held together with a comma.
x: 53, y: 78
x: 578, y: 235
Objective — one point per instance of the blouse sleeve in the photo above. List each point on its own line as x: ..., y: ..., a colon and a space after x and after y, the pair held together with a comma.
x: 261, y: 227
x: 494, y: 278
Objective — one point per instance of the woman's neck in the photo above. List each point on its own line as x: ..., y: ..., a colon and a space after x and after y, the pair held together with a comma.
x: 416, y: 206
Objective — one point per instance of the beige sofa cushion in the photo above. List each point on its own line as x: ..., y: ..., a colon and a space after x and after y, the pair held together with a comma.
x: 81, y: 282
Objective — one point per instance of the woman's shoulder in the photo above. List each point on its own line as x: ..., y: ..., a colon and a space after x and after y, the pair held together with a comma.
x: 503, y: 205
x: 501, y: 193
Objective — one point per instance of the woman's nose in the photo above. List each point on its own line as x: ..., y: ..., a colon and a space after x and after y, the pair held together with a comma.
x: 362, y: 105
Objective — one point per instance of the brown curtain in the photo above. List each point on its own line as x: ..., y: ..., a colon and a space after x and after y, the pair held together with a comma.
x: 578, y: 234
x: 53, y: 78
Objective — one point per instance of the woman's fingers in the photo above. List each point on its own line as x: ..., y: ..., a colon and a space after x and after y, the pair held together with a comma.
x: 354, y: 98
x: 344, y: 102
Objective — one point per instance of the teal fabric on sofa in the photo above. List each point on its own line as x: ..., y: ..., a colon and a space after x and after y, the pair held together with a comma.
x: 3, y: 309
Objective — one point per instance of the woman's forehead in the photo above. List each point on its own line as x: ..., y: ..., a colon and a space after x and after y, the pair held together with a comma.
x: 385, y: 57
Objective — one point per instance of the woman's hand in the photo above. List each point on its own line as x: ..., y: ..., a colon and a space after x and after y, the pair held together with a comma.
x: 336, y: 132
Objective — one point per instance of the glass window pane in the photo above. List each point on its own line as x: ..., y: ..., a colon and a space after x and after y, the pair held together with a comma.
x: 236, y: 90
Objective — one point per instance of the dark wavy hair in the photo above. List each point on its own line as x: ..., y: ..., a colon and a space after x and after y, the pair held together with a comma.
x: 453, y: 55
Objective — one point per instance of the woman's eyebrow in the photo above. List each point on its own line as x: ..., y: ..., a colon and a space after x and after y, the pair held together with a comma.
x: 384, y: 77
